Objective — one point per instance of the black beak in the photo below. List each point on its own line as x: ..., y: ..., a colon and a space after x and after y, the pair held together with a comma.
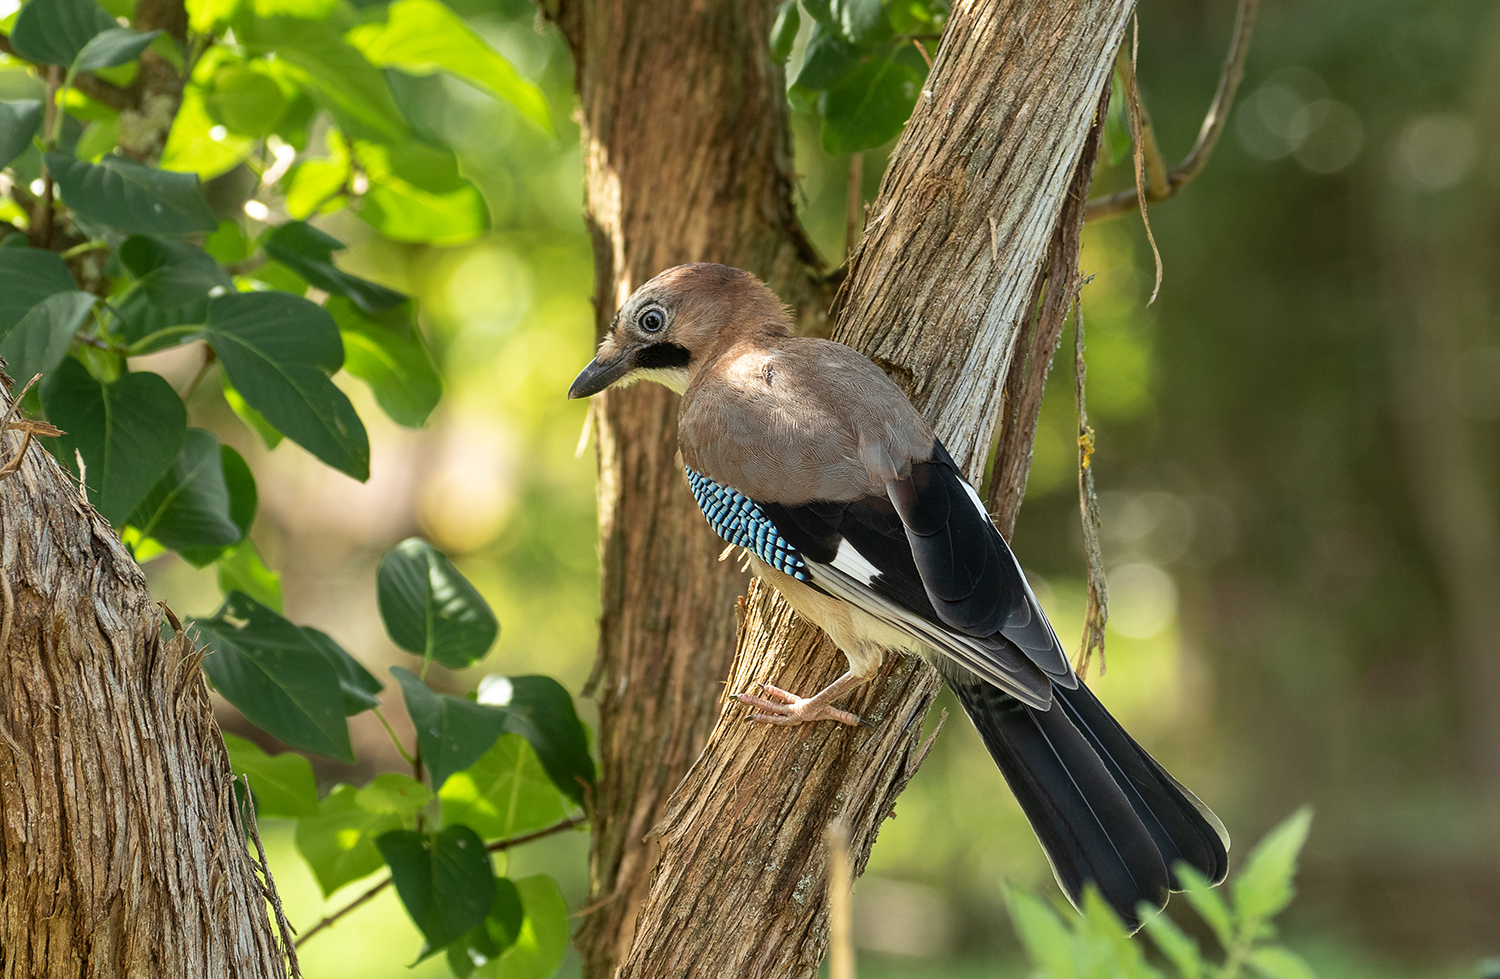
x: 600, y: 374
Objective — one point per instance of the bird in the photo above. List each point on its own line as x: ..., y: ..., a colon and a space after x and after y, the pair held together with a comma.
x: 807, y: 455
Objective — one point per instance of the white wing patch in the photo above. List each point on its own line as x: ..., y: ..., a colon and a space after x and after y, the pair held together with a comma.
x: 973, y: 495
x: 854, y: 564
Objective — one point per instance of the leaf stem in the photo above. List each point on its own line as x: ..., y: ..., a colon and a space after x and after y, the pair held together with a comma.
x: 394, y: 740
x: 495, y: 847
x: 141, y: 345
x: 83, y: 249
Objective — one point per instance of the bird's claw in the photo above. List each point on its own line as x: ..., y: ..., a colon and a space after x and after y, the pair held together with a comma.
x: 788, y: 709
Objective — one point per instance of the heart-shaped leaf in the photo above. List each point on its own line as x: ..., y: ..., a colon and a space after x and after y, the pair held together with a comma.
x: 444, y: 879
x: 278, y: 677
x: 128, y: 432
x: 27, y: 276
x: 54, y: 32
x: 505, y: 793
x: 18, y: 123
x: 540, y: 710
x: 358, y: 684
x: 430, y: 609
x: 40, y: 341
x: 121, y: 193
x: 189, y: 506
x: 452, y: 733
x: 278, y: 350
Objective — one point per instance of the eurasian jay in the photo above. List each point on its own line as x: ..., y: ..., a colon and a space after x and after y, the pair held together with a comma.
x: 808, y: 456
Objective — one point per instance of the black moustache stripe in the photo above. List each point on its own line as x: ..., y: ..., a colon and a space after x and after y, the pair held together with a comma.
x: 663, y: 356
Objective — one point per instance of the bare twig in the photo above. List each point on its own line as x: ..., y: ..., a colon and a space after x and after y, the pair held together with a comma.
x: 921, y: 49
x: 268, y: 887
x: 1096, y: 611
x: 91, y: 85
x: 854, y: 203
x: 1230, y: 76
x: 14, y: 463
x: 381, y: 885
x: 41, y: 220
x: 1138, y: 150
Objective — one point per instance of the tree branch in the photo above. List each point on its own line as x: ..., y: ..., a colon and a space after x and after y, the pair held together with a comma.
x: 88, y: 83
x: 1230, y: 76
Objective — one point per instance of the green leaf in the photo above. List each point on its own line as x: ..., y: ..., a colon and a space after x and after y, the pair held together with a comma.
x: 385, y: 350
x: 498, y: 932
x: 243, y: 500
x: 130, y: 196
x: 99, y: 138
x: 396, y: 793
x: 116, y: 46
x: 241, y: 569
x: 277, y: 676
x: 869, y: 107
x: 505, y: 793
x: 863, y: 21
x: 210, y: 16
x: 18, y: 123
x: 248, y: 101
x: 1277, y: 962
x: 1263, y: 886
x: 784, y: 31
x: 430, y: 609
x: 308, y: 251
x: 41, y: 340
x: 424, y: 36
x: 1047, y: 940
x: 253, y: 419
x: 54, y: 32
x: 128, y: 431
x: 314, y: 186
x: 445, y: 881
x: 189, y: 506
x: 1176, y: 945
x: 198, y: 144
x: 829, y: 60
x: 541, y: 710
x: 339, y: 842
x: 28, y: 276
x: 282, y: 785
x: 278, y: 350
x: 417, y: 194
x: 452, y: 733
x: 543, y: 939
x: 338, y: 77
x: 358, y: 684
x: 1207, y: 901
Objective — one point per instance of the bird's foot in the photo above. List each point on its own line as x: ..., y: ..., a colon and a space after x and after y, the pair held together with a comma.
x: 788, y: 709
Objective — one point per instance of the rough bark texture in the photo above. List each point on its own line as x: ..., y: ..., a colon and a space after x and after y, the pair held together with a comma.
x: 687, y: 158
x: 937, y: 293
x: 119, y: 853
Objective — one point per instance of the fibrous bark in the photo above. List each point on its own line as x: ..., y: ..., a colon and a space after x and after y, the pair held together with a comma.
x: 687, y: 158
x: 943, y: 281
x: 119, y: 851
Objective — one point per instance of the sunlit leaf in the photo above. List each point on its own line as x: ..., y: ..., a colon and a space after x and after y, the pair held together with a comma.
x: 248, y: 101
x: 19, y: 121
x: 1263, y: 886
x: 505, y: 793
x: 1277, y: 962
x: 40, y: 341
x: 278, y: 350
x: 444, y: 880
x: 396, y: 793
x: 276, y: 675
x: 253, y: 419
x: 385, y: 350
x: 1207, y: 901
x: 430, y: 609
x: 543, y: 939
x: 1047, y: 940
x: 424, y: 36
x: 282, y: 785
x: 189, y: 506
x: 241, y: 568
x: 339, y: 842
x: 54, y: 32
x: 417, y: 194
x: 784, y: 31
x: 541, y: 710
x: 197, y: 144
x: 1177, y: 946
x: 128, y: 432
x: 131, y: 196
x: 208, y: 16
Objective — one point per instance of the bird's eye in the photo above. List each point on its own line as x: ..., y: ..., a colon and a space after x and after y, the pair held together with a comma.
x: 652, y: 320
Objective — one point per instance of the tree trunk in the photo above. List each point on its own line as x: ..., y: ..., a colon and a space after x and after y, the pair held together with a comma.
x: 688, y: 158
x: 938, y: 294
x: 119, y: 851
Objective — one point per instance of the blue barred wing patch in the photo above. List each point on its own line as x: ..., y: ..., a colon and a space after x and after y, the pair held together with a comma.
x: 736, y: 518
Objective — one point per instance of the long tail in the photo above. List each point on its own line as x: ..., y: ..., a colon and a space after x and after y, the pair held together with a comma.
x: 1104, y: 810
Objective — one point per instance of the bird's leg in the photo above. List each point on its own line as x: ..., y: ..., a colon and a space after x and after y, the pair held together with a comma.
x: 792, y: 709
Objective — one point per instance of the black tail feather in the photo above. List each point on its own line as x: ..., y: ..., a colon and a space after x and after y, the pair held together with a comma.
x: 1104, y: 811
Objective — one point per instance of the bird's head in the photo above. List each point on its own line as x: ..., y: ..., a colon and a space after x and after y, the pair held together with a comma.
x: 670, y: 325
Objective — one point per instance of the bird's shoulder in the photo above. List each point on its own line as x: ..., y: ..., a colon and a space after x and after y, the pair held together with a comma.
x: 794, y: 419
